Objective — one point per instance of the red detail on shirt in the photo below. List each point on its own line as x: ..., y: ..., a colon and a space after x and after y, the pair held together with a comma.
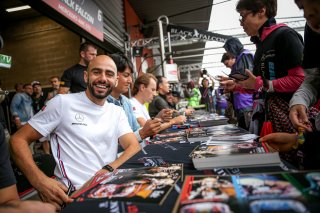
x: 291, y: 82
x: 267, y: 30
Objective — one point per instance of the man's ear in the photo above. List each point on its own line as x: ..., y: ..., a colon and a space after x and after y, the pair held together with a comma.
x: 262, y: 12
x: 116, y: 83
x: 142, y: 87
x: 86, y: 77
x: 82, y: 54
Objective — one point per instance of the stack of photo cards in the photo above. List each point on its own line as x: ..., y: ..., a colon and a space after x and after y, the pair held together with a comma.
x: 278, y: 192
x: 171, y: 137
x: 145, y: 184
x: 237, y: 155
x: 228, y: 133
x: 208, y: 119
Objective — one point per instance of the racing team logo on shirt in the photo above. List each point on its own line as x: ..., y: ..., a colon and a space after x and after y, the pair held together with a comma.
x: 79, y: 118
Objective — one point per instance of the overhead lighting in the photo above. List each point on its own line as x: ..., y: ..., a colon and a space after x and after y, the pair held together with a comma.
x: 9, y: 10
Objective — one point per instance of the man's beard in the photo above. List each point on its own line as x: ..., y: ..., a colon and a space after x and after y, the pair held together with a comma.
x: 100, y: 95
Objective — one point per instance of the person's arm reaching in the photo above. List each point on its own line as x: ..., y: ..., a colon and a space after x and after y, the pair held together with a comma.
x: 289, y: 83
x: 141, y: 121
x: 303, y: 98
x: 176, y: 120
x: 27, y: 207
x: 49, y: 189
x: 150, y: 128
x: 165, y: 115
x: 130, y: 145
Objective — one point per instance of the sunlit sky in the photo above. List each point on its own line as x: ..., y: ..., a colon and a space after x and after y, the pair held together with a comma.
x: 225, y: 17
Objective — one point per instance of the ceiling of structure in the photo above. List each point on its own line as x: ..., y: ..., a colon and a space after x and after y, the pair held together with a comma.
x: 193, y: 14
x: 10, y: 18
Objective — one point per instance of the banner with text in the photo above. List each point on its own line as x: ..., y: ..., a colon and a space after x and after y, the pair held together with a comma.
x: 84, y: 13
x: 195, y: 33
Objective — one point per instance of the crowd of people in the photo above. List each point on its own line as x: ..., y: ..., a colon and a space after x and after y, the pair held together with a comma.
x: 279, y: 83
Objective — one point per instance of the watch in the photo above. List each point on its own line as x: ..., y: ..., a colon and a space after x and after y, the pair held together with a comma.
x: 108, y: 168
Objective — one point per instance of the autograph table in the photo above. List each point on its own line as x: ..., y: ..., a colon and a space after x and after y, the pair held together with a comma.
x: 157, y: 155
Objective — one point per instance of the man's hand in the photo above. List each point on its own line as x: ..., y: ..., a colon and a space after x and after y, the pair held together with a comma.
x: 189, y: 111
x: 28, y: 207
x: 222, y: 78
x: 280, y: 141
x: 151, y: 127
x: 250, y: 82
x: 178, y: 120
x: 17, y: 122
x: 228, y: 85
x: 52, y: 191
x: 299, y: 118
x: 165, y: 115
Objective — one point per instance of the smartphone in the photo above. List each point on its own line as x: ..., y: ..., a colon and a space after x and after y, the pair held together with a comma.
x: 239, y: 76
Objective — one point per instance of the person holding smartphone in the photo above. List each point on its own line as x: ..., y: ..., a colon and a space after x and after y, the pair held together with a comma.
x: 242, y: 99
x: 277, y: 71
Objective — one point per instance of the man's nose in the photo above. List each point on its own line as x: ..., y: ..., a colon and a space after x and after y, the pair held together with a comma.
x: 104, y: 76
x: 130, y: 79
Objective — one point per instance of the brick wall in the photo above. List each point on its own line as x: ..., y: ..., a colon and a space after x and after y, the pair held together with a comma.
x: 40, y: 48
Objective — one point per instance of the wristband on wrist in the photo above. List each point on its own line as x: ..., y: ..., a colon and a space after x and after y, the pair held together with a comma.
x: 137, y: 134
x: 108, y: 168
x: 270, y: 89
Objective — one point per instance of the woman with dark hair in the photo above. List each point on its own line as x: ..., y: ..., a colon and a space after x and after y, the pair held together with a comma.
x: 277, y: 71
x: 192, y: 94
x: 206, y: 95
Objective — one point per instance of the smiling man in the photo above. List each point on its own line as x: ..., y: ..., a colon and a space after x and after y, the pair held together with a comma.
x: 84, y: 131
x: 125, y: 70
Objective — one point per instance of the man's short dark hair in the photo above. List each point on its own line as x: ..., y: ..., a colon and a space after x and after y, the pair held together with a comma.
x: 85, y: 45
x: 55, y: 76
x: 159, y: 80
x: 226, y: 56
x: 256, y: 5
x: 122, y: 62
x: 17, y: 85
x: 25, y: 85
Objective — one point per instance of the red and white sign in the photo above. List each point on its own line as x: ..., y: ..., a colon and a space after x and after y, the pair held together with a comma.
x: 171, y: 72
x: 84, y: 13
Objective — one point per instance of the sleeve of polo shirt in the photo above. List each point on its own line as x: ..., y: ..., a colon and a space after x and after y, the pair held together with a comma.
x: 48, y: 118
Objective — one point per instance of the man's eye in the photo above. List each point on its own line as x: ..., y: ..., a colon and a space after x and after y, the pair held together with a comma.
x: 110, y: 74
